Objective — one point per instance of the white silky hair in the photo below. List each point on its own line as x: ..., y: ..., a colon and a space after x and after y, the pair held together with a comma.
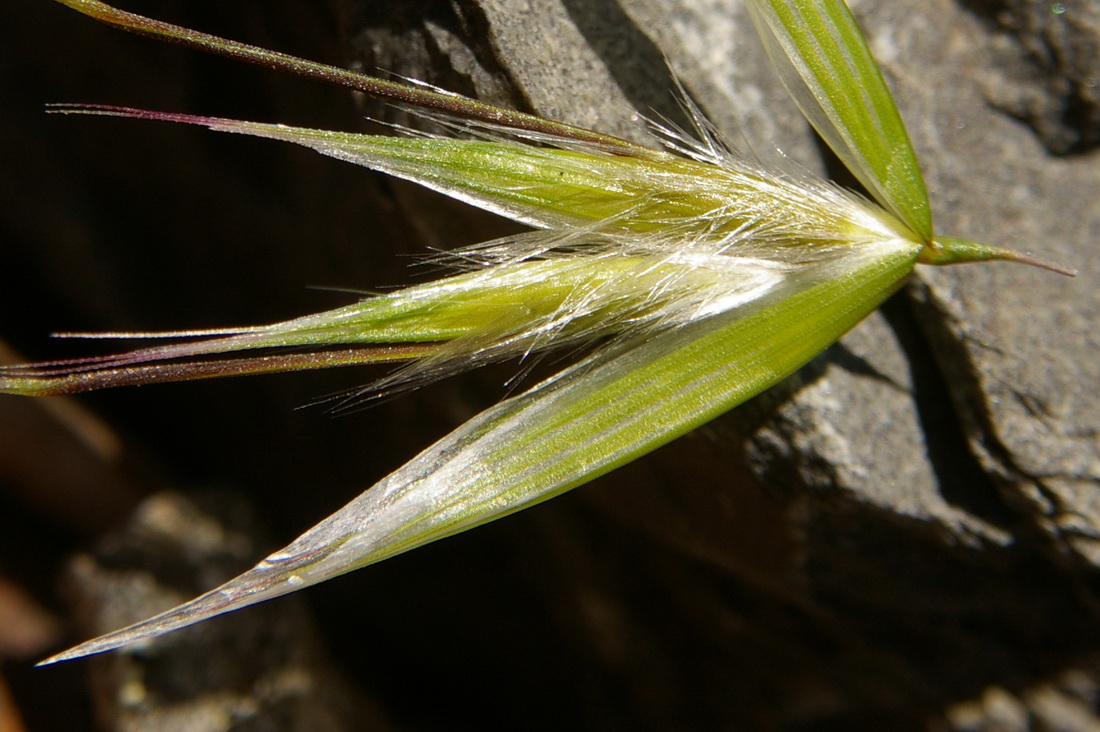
x: 687, y: 269
x: 747, y: 232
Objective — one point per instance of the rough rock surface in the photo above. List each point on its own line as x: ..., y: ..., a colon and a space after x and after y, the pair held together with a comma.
x: 904, y: 535
x: 259, y: 672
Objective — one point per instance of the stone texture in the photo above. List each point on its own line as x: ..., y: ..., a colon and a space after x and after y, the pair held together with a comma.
x: 264, y: 671
x: 937, y: 464
x: 1046, y: 68
x: 904, y: 535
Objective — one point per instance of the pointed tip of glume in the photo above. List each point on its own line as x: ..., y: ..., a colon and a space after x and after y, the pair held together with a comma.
x: 79, y: 651
x: 130, y: 636
x: 57, y: 658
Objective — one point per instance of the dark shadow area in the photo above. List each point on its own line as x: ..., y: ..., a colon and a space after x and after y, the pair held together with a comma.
x: 674, y: 593
x: 414, y: 39
x: 635, y: 62
x: 961, y: 479
x: 1045, y: 77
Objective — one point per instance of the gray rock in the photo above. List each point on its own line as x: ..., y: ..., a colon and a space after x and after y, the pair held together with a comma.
x: 903, y: 535
x: 267, y: 671
x: 941, y: 463
x: 1045, y: 68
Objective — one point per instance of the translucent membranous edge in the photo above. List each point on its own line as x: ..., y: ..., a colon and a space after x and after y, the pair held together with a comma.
x: 533, y: 447
x: 695, y: 279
